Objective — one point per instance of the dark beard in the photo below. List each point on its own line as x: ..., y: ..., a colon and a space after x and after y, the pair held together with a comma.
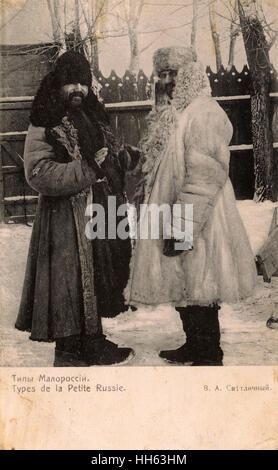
x: 75, y: 99
x: 169, y: 88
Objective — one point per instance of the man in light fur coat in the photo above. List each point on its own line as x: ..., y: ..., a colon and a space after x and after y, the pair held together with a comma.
x: 186, y: 161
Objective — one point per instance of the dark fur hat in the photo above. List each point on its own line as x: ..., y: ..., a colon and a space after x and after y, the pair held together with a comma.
x: 73, y: 67
x: 48, y: 107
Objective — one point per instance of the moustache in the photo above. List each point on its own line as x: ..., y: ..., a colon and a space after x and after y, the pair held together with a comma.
x: 76, y: 96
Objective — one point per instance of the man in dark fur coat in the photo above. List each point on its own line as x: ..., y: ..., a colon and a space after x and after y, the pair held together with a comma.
x: 70, y: 158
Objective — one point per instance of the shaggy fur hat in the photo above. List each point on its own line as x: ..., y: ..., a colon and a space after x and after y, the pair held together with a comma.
x: 72, y: 67
x: 172, y: 58
x: 48, y: 108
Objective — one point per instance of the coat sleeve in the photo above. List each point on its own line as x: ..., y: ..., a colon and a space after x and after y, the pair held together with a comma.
x: 206, y: 154
x: 48, y: 176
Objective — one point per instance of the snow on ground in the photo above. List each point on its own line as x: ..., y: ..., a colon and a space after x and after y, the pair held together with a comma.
x: 245, y: 338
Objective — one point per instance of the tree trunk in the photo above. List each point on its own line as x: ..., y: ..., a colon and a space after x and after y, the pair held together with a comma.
x: 133, y: 11
x: 194, y: 27
x: 134, y: 52
x: 234, y: 33
x: 93, y: 54
x: 232, y: 47
x: 53, y: 10
x: 259, y: 64
x: 215, y: 35
x: 73, y: 39
x: 94, y: 59
x: 76, y: 28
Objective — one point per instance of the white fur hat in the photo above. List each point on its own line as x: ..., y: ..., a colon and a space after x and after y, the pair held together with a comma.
x: 172, y: 58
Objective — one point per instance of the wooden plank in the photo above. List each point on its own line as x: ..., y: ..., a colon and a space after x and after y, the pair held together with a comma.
x: 11, y: 170
x: 14, y: 119
x: 10, y: 136
x: 19, y: 102
x: 129, y: 105
x: 2, y: 207
x: 20, y: 209
x: 14, y: 185
x: 21, y: 219
x: 17, y: 105
x: 17, y: 99
x: 15, y: 156
x: 28, y: 200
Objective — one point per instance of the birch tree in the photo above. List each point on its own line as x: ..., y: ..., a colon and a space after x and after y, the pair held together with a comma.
x: 193, y: 38
x: 132, y: 14
x: 215, y: 33
x: 55, y: 12
x: 234, y: 33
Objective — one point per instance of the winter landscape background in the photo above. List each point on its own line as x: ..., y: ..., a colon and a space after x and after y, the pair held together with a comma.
x: 162, y: 23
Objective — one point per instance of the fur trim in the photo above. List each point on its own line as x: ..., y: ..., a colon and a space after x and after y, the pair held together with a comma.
x: 191, y: 82
x: 48, y: 108
x: 67, y: 135
x: 160, y: 123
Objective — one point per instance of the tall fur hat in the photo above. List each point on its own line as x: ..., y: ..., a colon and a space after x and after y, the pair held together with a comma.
x: 73, y: 67
x: 48, y: 108
x: 172, y: 58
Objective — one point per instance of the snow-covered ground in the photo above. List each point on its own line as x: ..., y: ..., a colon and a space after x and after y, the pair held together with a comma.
x: 245, y: 338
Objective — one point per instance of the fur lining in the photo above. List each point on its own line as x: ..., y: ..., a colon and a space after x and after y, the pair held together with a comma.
x: 48, y: 109
x: 191, y: 82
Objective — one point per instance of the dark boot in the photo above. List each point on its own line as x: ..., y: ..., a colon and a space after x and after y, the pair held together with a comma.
x: 98, y: 351
x: 68, y: 353
x: 207, y: 337
x: 184, y: 353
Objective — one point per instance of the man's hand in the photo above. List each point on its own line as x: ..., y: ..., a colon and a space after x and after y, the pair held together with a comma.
x: 134, y: 154
x: 169, y: 247
x: 101, y: 155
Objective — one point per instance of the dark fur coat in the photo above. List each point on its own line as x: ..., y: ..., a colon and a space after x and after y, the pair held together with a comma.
x: 70, y: 281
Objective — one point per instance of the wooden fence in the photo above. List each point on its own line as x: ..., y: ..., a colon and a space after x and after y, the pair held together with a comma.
x: 128, y: 103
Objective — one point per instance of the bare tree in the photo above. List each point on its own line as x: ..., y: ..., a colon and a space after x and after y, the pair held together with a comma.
x: 214, y: 33
x: 194, y: 27
x: 257, y: 51
x: 93, y: 12
x: 54, y: 8
x: 94, y: 18
x: 69, y: 31
x: 132, y: 13
x: 234, y: 33
x: 55, y: 11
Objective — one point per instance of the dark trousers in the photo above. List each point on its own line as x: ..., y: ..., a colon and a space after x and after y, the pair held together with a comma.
x: 202, y: 329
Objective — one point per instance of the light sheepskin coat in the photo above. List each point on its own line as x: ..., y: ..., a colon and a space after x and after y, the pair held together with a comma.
x: 193, y: 169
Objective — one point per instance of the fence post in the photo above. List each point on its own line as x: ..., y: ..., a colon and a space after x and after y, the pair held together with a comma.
x: 2, y: 207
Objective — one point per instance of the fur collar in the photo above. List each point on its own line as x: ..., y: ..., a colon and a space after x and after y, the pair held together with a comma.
x: 191, y: 83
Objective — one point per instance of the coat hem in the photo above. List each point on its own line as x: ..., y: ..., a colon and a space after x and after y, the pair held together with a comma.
x: 44, y: 339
